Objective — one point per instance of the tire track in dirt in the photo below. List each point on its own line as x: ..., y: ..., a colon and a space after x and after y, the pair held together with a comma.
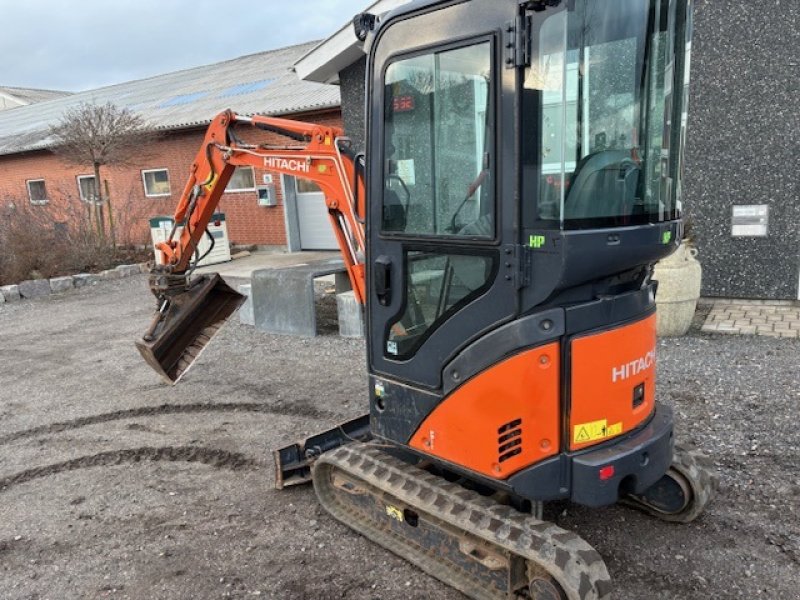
x: 220, y: 459
x: 164, y: 409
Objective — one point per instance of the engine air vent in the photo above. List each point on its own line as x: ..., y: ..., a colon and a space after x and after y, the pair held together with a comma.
x: 509, y: 440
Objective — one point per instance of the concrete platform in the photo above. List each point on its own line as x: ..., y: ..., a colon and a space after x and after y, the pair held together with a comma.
x: 280, y: 290
x: 240, y: 271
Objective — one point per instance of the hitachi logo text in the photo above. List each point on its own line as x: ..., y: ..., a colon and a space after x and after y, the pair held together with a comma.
x: 287, y: 164
x: 634, y: 367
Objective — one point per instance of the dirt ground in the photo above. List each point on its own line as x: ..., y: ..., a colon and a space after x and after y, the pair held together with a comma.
x: 114, y: 485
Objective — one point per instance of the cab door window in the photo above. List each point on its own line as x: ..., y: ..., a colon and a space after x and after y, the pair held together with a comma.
x: 438, y: 136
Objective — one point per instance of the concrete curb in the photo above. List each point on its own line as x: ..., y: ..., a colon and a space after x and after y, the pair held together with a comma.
x: 38, y: 288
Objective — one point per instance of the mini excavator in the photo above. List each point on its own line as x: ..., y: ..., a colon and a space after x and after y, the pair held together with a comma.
x: 522, y: 176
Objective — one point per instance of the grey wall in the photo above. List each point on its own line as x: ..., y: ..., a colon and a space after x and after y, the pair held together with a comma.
x: 743, y: 142
x: 352, y: 90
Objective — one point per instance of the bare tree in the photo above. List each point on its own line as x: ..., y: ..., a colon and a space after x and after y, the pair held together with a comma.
x: 100, y: 136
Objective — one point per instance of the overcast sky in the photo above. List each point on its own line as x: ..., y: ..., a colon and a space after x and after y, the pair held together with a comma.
x: 77, y: 45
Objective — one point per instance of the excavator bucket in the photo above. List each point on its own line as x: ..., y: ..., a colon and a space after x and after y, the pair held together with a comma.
x: 187, y: 325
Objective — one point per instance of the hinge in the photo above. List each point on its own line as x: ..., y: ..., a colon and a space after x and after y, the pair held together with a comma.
x: 525, y: 264
x: 519, y: 262
x: 518, y: 42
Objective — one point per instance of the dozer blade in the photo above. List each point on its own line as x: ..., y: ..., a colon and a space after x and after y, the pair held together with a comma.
x: 189, y: 322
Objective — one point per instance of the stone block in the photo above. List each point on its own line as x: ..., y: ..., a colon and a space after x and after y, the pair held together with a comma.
x: 110, y: 274
x: 61, y: 284
x: 283, y: 302
x: 246, y: 310
x: 10, y: 293
x: 128, y: 270
x: 144, y: 267
x: 84, y: 279
x: 34, y: 288
x: 351, y: 321
x: 2, y: 299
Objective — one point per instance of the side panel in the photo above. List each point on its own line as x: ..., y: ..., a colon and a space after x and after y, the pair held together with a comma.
x: 501, y: 421
x: 612, y: 382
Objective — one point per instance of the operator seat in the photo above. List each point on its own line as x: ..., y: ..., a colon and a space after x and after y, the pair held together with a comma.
x: 604, y: 185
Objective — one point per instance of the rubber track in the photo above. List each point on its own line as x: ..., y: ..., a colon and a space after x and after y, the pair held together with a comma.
x: 220, y: 459
x: 697, y: 469
x: 565, y: 556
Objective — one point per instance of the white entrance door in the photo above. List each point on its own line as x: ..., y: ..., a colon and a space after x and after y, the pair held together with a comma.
x: 315, y: 227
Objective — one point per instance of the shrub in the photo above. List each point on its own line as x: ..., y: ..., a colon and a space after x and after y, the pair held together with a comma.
x: 42, y: 242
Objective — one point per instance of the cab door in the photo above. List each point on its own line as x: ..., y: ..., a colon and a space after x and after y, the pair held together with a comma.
x: 442, y: 214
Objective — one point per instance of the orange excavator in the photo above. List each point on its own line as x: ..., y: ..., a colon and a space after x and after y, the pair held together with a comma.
x: 522, y: 176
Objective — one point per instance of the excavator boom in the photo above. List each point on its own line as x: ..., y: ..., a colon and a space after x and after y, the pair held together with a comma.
x: 191, y: 310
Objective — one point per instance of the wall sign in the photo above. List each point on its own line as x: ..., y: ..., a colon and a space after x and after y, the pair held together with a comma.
x: 750, y: 220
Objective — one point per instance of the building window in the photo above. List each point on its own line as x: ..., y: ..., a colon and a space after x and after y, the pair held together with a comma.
x: 87, y: 188
x: 306, y: 186
x: 243, y: 180
x: 37, y: 191
x: 156, y: 182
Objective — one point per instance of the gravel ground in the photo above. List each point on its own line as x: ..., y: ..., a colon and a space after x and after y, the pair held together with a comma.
x: 113, y: 485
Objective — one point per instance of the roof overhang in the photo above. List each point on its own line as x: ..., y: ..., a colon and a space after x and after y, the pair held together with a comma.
x: 324, y: 62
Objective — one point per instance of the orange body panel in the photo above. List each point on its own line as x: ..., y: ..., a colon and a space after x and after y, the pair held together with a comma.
x: 607, y: 367
x: 502, y: 420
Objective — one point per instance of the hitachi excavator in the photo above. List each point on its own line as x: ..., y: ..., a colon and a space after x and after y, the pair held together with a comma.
x: 522, y: 175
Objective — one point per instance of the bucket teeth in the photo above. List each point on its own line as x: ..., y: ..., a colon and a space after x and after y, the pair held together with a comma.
x: 191, y: 320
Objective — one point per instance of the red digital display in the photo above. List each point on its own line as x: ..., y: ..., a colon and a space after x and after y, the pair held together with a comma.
x: 403, y: 103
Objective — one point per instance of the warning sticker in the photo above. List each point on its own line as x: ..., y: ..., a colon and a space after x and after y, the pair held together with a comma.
x: 594, y: 431
x: 395, y: 513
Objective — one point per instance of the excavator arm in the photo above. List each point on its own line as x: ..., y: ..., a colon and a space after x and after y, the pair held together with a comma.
x: 192, y: 309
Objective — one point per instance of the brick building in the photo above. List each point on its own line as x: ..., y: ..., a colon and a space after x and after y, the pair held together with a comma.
x: 178, y: 107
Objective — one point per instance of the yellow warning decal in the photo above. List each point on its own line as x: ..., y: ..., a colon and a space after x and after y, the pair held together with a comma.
x: 594, y: 431
x: 394, y: 512
x: 210, y: 185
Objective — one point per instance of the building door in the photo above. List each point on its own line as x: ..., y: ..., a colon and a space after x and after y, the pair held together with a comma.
x: 314, y: 227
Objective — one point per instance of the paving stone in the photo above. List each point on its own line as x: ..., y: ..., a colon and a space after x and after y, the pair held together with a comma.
x: 34, y: 288
x: 773, y: 318
x: 61, y: 284
x: 10, y: 293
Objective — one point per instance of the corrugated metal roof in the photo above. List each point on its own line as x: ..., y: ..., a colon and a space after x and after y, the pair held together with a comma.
x: 31, y: 96
x: 262, y: 83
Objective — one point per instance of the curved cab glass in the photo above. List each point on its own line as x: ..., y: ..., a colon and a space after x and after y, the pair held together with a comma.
x: 604, y: 99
